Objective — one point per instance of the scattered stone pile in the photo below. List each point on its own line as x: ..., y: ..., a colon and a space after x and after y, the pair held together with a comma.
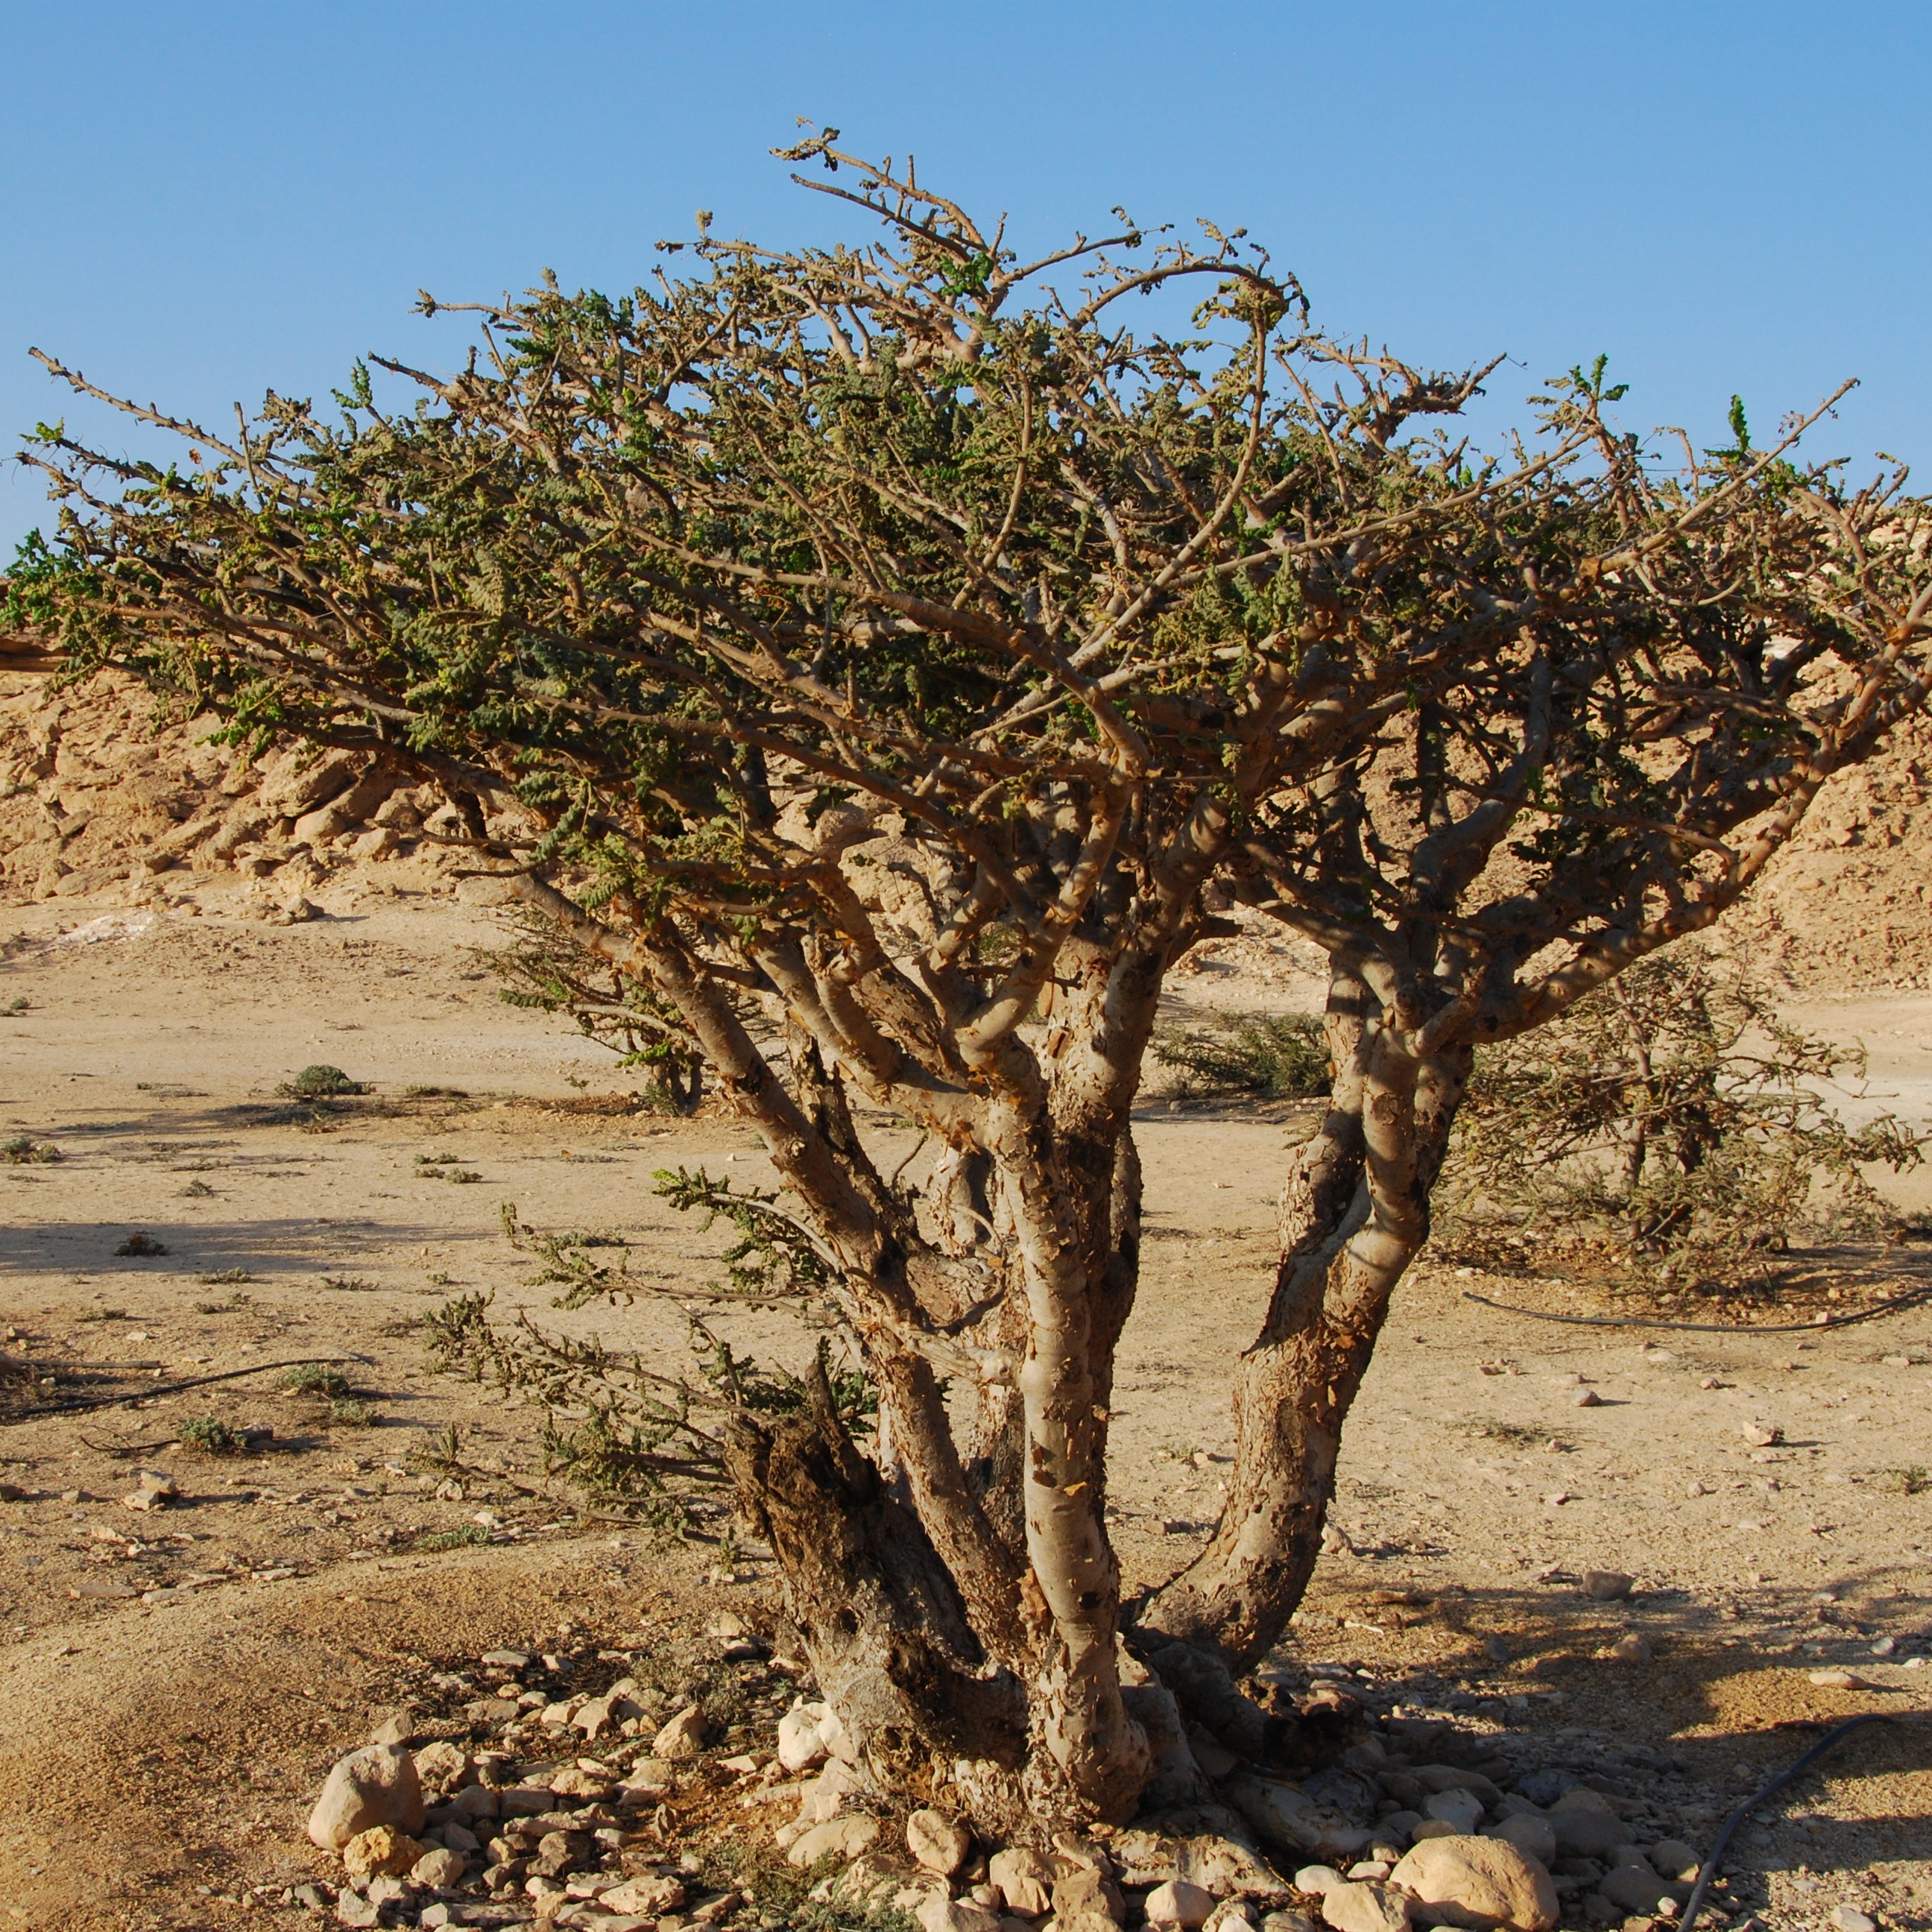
x: 98, y: 794
x: 652, y: 1796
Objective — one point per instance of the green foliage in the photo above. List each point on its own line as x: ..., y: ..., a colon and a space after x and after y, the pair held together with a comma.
x: 775, y: 1258
x: 320, y: 1082
x: 1675, y: 1120
x: 565, y: 1261
x: 1278, y: 1056
x: 23, y: 1150
x: 543, y: 970
x: 212, y: 1436
x: 319, y: 1380
x: 465, y: 1536
x: 619, y: 1426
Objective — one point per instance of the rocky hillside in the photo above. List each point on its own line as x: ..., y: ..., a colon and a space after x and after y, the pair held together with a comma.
x: 101, y: 796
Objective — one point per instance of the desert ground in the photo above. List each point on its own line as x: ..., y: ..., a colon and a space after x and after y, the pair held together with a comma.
x: 179, y: 1677
x: 177, y: 1682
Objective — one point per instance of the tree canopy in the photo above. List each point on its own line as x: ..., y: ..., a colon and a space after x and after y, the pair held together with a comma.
x: 888, y: 638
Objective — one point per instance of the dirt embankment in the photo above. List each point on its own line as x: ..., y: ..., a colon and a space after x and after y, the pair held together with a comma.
x: 105, y: 794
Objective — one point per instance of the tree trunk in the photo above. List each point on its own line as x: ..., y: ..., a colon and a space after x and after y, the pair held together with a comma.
x: 1355, y: 1210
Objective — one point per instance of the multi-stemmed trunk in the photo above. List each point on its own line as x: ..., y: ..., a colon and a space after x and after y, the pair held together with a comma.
x: 956, y: 1588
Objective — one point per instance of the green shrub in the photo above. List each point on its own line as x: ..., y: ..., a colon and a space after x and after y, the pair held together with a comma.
x: 320, y: 1083
x: 212, y: 1436
x: 318, y: 1379
x: 1277, y: 1056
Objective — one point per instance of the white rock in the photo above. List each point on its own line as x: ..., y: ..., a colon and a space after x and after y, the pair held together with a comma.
x: 1849, y: 1918
x: 1482, y: 1883
x: 681, y: 1737
x: 1178, y: 1903
x: 376, y: 1785
x: 838, y: 1740
x: 843, y: 1837
x: 800, y: 1746
x: 438, y: 1868
x: 1024, y: 1880
x: 649, y: 1895
x: 938, y: 1913
x: 1365, y: 1908
x: 1316, y: 1879
x: 938, y: 1842
x: 1673, y: 1857
x: 1534, y: 1836
x: 1462, y: 1810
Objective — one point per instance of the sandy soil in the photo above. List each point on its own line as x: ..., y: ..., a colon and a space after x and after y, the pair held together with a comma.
x: 175, y: 1683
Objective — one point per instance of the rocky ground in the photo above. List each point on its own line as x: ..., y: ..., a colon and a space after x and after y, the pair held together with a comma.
x: 1594, y: 1583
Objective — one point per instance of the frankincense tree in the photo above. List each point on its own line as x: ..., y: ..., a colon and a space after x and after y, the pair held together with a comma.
x: 890, y: 641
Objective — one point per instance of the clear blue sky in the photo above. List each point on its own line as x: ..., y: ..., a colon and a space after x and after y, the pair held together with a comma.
x: 202, y: 200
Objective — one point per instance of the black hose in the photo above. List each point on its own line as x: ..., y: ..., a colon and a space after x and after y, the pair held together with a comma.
x: 1912, y: 1298
x: 1707, y: 1870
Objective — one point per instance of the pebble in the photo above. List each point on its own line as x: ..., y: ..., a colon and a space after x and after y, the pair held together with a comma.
x: 1761, y: 1435
x: 1840, y: 1680
x: 681, y: 1737
x: 1629, y: 1649
x: 843, y: 1837
x: 380, y: 1850
x: 508, y: 1659
x: 1366, y: 1907
x: 940, y: 1843
x: 1023, y: 1879
x: 1586, y: 1398
x: 1884, y: 1646
x: 1479, y: 1882
x: 1317, y: 1879
x: 1849, y: 1918
x: 376, y: 1785
x: 1178, y: 1903
x: 1461, y: 1810
x: 1606, y: 1586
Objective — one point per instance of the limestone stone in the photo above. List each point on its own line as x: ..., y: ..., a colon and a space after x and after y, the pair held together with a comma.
x: 649, y: 1895
x: 1024, y: 1880
x: 1487, y: 1883
x: 1584, y: 1833
x: 682, y: 1735
x: 376, y: 1785
x: 940, y: 1843
x: 1367, y: 1907
x: 441, y: 1767
x: 1286, y: 1820
x: 440, y: 1867
x: 1085, y: 1891
x: 1637, y: 1889
x: 382, y: 1848
x: 843, y: 1837
x: 1229, y: 1869
x: 1529, y: 1833
x: 937, y: 1913
x: 1178, y: 1903
x: 1316, y: 1879
x: 800, y: 1746
x: 1674, y: 1859
x: 1463, y: 1810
